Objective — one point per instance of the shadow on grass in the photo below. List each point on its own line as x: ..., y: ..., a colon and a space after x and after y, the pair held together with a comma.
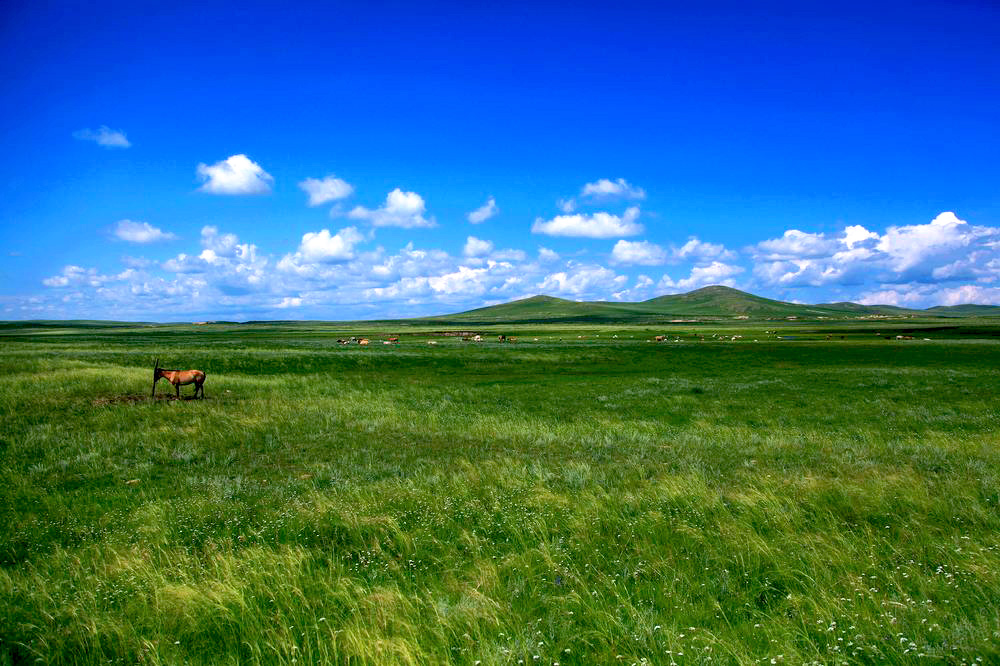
x: 135, y: 398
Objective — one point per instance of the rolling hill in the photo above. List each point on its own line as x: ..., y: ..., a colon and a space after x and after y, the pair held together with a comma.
x: 715, y: 302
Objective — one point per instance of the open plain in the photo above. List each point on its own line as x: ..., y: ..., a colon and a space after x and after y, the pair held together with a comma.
x: 820, y: 494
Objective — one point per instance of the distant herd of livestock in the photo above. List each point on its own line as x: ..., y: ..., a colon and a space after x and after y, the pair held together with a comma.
x: 179, y: 378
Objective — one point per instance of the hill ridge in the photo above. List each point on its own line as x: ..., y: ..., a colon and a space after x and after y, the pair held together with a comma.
x: 709, y: 301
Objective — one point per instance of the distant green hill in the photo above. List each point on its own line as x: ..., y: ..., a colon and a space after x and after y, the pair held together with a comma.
x: 967, y: 310
x: 67, y: 323
x: 714, y: 301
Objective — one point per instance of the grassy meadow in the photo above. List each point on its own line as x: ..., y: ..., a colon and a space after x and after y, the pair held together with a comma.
x: 584, y: 496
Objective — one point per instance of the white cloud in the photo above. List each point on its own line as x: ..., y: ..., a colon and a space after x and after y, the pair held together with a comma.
x: 327, y: 189
x: 969, y: 293
x: 856, y: 235
x: 412, y: 262
x: 329, y: 275
x: 224, y: 265
x: 643, y: 253
x: 475, y: 247
x: 566, y: 205
x: 699, y: 251
x: 640, y: 291
x: 484, y: 212
x: 547, y: 256
x: 945, y: 249
x: 321, y: 246
x: 103, y: 136
x: 401, y: 209
x: 225, y: 245
x: 185, y: 264
x: 913, y: 250
x: 237, y: 174
x: 598, y: 225
x: 140, y: 232
x: 795, y: 244
x: 77, y: 276
x: 608, y: 189
x: 582, y: 280
x: 462, y: 283
x: 922, y: 295
x: 289, y: 302
x: 701, y: 276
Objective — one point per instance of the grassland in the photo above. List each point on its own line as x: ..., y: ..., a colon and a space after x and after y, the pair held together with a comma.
x: 576, y: 499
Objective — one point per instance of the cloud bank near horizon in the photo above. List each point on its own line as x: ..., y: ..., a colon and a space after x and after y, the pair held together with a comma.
x: 346, y: 274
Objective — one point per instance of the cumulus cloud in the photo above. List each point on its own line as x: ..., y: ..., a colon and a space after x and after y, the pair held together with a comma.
x: 582, y: 280
x: 642, y: 253
x: 323, y: 190
x: 223, y: 245
x: 77, y: 276
x: 917, y: 295
x: 103, y: 136
x: 640, y: 291
x: 411, y: 262
x: 475, y: 247
x: 716, y: 272
x: 612, y: 189
x: 700, y: 251
x: 322, y: 246
x: 289, y: 302
x: 140, y: 232
x: 401, y: 209
x: 795, y: 244
x: 946, y: 248
x: 464, y: 282
x: 913, y: 249
x: 237, y: 174
x: 597, y: 225
x: 484, y: 212
x: 224, y: 263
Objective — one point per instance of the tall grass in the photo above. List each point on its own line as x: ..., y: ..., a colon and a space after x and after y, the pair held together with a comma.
x: 571, y: 502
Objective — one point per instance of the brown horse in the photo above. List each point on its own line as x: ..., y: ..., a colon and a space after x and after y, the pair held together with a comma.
x: 179, y: 378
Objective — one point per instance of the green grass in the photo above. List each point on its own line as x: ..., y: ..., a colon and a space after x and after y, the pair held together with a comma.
x: 578, y: 500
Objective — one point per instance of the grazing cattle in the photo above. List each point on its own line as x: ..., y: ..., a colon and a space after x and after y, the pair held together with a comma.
x: 394, y: 340
x: 660, y: 338
x: 501, y: 338
x: 477, y: 338
x: 512, y: 340
x: 179, y: 378
x: 432, y: 342
x: 363, y: 341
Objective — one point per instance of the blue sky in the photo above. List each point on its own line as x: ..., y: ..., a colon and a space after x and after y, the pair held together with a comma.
x: 339, y: 161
